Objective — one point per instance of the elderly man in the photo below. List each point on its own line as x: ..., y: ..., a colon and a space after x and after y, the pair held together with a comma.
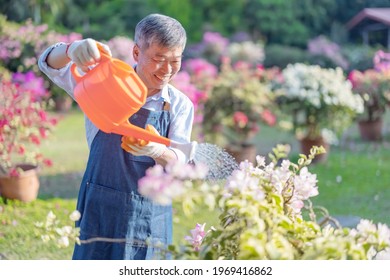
x: 116, y: 221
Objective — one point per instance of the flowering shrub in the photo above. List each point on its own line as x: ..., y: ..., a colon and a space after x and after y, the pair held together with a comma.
x: 212, y: 47
x: 23, y: 121
x: 247, y: 51
x: 195, y: 80
x: 122, y: 48
x: 23, y: 43
x: 62, y: 235
x: 324, y: 47
x: 316, y: 99
x: 265, y: 213
x: 182, y: 81
x: 374, y: 88
x: 201, y: 71
x: 236, y: 103
x: 382, y: 61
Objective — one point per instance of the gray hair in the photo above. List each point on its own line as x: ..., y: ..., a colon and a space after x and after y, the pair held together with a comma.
x: 160, y: 29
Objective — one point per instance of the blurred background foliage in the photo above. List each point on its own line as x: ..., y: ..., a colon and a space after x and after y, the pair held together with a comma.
x: 283, y: 22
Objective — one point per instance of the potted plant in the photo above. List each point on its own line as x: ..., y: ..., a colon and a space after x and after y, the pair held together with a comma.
x: 317, y: 102
x: 374, y: 88
x: 24, y: 123
x: 238, y: 101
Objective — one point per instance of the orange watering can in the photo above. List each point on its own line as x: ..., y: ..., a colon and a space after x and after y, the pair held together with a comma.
x: 109, y: 94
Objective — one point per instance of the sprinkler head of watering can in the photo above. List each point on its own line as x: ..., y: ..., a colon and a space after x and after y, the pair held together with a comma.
x: 189, y: 149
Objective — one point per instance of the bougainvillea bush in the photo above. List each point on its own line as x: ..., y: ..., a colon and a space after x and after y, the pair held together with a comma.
x: 265, y: 213
x: 24, y: 121
x: 23, y: 43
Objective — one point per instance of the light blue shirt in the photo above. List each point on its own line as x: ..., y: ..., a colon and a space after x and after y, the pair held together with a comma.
x: 181, y: 108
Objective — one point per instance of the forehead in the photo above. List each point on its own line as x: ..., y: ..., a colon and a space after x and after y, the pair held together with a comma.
x: 158, y: 50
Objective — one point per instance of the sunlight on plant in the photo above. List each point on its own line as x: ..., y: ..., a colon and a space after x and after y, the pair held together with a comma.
x: 52, y: 230
x: 262, y: 215
x: 263, y: 212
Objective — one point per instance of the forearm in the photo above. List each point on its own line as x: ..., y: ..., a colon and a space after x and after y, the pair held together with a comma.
x: 57, y: 58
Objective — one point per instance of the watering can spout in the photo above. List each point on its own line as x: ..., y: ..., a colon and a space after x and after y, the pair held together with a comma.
x: 189, y: 149
x: 128, y: 129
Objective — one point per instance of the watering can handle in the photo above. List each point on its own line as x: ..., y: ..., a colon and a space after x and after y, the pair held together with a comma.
x: 103, y: 57
x: 128, y: 129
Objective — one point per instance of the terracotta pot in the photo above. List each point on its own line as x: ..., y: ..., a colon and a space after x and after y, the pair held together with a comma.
x: 24, y: 187
x: 371, y: 130
x: 307, y: 143
x: 243, y: 152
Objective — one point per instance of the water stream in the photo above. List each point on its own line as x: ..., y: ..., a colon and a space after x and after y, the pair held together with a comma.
x: 220, y: 163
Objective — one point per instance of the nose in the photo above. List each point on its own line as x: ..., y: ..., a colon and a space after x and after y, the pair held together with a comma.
x: 166, y: 67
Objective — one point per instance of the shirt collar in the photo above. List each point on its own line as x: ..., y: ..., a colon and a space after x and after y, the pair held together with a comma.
x: 162, y: 95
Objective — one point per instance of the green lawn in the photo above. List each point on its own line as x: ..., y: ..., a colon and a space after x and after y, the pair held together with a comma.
x: 354, y: 182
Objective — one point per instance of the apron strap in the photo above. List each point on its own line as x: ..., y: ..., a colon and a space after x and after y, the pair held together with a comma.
x: 166, y: 106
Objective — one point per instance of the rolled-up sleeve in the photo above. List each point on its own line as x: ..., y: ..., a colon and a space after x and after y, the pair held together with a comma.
x: 181, y: 124
x: 61, y: 77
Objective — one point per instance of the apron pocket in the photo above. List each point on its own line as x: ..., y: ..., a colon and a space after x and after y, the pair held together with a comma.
x: 104, y: 214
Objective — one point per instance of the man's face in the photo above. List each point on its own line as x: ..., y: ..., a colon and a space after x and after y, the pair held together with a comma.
x: 157, y: 65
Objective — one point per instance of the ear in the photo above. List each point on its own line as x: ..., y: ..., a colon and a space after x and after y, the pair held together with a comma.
x: 136, y: 52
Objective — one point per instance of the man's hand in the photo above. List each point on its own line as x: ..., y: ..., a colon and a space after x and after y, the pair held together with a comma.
x: 85, y: 53
x: 140, y: 147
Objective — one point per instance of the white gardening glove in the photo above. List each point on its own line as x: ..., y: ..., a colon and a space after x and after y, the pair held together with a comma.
x: 139, y: 147
x: 85, y: 53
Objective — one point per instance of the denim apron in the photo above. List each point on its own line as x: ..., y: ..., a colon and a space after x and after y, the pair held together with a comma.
x: 111, y: 206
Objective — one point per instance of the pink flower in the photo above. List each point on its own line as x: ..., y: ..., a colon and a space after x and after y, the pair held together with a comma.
x: 200, y: 67
x: 14, y: 172
x: 35, y: 139
x: 159, y: 186
x: 382, y: 61
x: 240, y: 119
x: 268, y: 117
x: 29, y: 82
x: 43, y: 132
x: 48, y: 162
x: 21, y: 150
x: 354, y: 76
x: 197, y: 236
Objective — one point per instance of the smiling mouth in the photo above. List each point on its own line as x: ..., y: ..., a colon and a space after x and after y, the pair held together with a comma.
x: 164, y: 79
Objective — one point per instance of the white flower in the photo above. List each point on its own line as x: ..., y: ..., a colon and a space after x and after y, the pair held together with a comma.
x: 45, y: 238
x: 64, y: 231
x: 383, y: 255
x: 51, y: 216
x: 366, y: 227
x: 383, y: 234
x: 260, y: 160
x: 305, y: 184
x: 75, y: 216
x: 63, y: 242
